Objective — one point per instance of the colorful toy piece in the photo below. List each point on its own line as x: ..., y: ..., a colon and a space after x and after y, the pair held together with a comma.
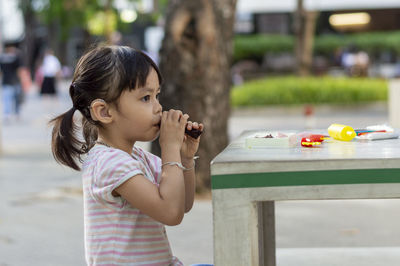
x: 318, y: 137
x: 341, y: 132
x: 306, y: 142
x: 313, y: 140
x: 361, y: 132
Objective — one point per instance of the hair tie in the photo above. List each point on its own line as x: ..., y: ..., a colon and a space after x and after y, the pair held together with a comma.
x: 76, y: 88
x: 83, y: 109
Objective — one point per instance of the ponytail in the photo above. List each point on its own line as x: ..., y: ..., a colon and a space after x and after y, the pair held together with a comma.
x: 65, y: 146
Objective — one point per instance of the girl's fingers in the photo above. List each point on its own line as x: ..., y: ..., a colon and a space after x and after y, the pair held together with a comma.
x: 195, y: 125
x: 164, y: 117
x: 177, y: 115
x: 184, y: 120
x: 189, y: 125
x: 172, y: 114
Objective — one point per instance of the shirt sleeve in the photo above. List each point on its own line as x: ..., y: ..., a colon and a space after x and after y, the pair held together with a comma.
x: 154, y: 163
x: 114, y: 167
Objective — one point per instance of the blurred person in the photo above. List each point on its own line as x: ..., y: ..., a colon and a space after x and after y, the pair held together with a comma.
x: 397, y: 70
x: 361, y: 64
x: 338, y: 56
x: 12, y: 94
x: 348, y: 61
x: 129, y: 194
x: 50, y: 69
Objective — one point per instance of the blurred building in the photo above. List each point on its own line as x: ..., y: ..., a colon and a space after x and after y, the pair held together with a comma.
x: 12, y: 29
x: 256, y: 16
x: 11, y: 22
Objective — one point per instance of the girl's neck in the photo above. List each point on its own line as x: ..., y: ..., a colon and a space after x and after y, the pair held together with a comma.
x: 115, y: 143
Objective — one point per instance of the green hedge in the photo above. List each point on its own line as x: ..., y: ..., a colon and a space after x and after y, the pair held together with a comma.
x: 255, y: 46
x: 372, y: 42
x: 297, y: 90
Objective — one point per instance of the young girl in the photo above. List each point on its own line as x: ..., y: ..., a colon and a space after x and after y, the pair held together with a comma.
x: 129, y: 194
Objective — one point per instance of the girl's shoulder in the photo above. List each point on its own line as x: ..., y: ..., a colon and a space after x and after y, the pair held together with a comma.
x: 101, y: 153
x: 143, y: 153
x: 149, y: 157
x: 106, y: 161
x: 100, y: 149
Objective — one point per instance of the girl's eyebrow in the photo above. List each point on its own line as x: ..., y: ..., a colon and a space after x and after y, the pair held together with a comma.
x: 146, y: 89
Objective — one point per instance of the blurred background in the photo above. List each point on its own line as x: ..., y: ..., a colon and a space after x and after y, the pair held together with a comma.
x: 234, y: 65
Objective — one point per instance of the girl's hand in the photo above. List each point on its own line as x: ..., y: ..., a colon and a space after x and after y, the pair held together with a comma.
x: 172, y: 130
x: 190, y: 145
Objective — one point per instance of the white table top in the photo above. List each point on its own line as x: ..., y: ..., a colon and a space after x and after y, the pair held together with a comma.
x: 331, y: 155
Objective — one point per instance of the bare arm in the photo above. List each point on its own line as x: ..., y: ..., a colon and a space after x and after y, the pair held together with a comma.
x: 190, y: 183
x: 188, y: 151
x: 165, y: 203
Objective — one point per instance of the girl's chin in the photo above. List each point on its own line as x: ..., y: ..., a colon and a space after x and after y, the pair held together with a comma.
x: 154, y: 137
x: 150, y: 136
x: 157, y: 135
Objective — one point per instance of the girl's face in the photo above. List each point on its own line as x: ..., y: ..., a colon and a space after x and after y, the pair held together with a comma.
x: 139, y: 115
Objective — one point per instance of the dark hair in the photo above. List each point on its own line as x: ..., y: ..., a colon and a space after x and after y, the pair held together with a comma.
x: 102, y: 73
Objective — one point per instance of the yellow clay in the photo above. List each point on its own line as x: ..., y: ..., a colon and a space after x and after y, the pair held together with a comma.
x: 341, y: 132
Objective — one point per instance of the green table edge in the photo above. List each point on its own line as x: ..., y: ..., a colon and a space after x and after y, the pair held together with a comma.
x: 306, y: 178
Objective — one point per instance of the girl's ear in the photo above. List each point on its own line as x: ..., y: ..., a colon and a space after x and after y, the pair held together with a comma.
x: 100, y: 111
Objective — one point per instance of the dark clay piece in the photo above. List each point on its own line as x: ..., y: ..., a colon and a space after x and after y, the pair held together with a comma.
x: 194, y: 133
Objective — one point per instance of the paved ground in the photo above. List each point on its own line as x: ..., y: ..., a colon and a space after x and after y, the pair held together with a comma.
x: 41, y: 205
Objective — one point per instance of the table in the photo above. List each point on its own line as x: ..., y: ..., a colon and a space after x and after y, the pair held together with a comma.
x: 246, y: 183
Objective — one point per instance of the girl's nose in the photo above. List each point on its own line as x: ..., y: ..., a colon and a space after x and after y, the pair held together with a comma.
x: 158, y: 108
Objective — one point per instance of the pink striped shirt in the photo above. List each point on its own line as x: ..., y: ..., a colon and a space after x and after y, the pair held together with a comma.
x: 115, y: 232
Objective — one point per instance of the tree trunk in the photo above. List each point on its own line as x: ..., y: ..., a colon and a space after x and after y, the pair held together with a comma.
x: 195, y: 61
x: 53, y: 38
x: 29, y: 40
x: 304, y: 28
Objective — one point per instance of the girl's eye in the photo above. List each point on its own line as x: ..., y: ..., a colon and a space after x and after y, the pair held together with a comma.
x: 158, y: 96
x: 146, y: 98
